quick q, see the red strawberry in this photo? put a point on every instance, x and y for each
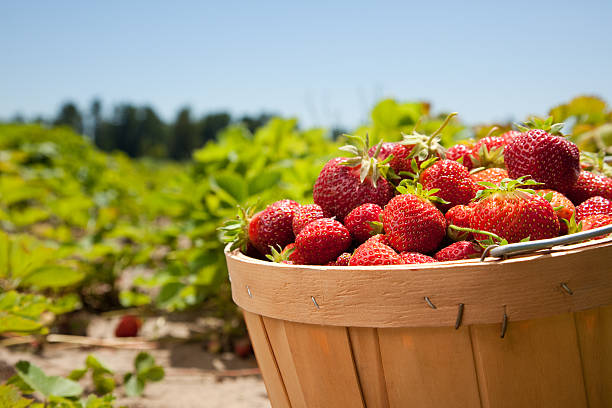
(304, 215)
(552, 160)
(491, 175)
(488, 152)
(592, 206)
(460, 151)
(459, 250)
(514, 213)
(380, 238)
(590, 185)
(374, 253)
(322, 241)
(412, 223)
(342, 260)
(595, 221)
(359, 219)
(459, 215)
(344, 184)
(285, 203)
(509, 136)
(386, 150)
(453, 181)
(128, 326)
(562, 205)
(416, 258)
(272, 227)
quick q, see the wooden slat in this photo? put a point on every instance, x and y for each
(266, 361)
(324, 363)
(366, 351)
(429, 367)
(282, 351)
(595, 335)
(537, 364)
(392, 296)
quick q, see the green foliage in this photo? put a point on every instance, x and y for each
(145, 371)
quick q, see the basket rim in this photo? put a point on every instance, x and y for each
(523, 287)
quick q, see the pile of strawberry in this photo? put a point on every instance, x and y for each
(415, 202)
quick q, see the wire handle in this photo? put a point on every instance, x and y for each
(530, 246)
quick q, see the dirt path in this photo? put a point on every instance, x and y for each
(192, 375)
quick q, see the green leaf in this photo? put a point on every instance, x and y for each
(94, 364)
(155, 373)
(11, 398)
(233, 184)
(134, 386)
(52, 277)
(76, 375)
(47, 385)
(103, 383)
(143, 362)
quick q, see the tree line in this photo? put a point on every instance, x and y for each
(139, 131)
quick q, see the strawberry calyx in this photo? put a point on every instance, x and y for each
(414, 188)
(573, 226)
(236, 231)
(487, 158)
(507, 186)
(370, 166)
(279, 255)
(546, 125)
(417, 169)
(595, 163)
(493, 239)
(425, 146)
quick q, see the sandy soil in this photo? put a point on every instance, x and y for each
(193, 377)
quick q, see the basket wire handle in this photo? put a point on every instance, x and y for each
(530, 246)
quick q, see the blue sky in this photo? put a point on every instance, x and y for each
(326, 62)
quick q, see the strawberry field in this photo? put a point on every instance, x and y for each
(86, 233)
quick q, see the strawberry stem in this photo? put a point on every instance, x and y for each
(475, 231)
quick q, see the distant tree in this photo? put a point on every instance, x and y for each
(69, 115)
(254, 122)
(183, 136)
(153, 133)
(95, 113)
(210, 125)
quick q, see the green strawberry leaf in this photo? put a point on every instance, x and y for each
(47, 385)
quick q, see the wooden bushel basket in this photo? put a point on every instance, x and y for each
(528, 331)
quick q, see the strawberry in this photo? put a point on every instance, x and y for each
(416, 258)
(492, 175)
(453, 181)
(488, 152)
(374, 253)
(344, 183)
(322, 241)
(590, 185)
(411, 222)
(592, 206)
(460, 151)
(304, 215)
(549, 159)
(595, 221)
(459, 250)
(380, 238)
(509, 136)
(128, 326)
(385, 151)
(342, 260)
(562, 205)
(273, 226)
(359, 219)
(514, 213)
(459, 215)
(289, 255)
